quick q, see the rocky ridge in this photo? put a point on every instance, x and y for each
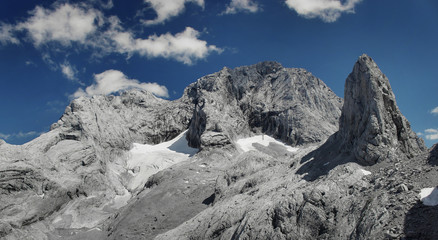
(326, 194)
(75, 176)
(288, 103)
(362, 183)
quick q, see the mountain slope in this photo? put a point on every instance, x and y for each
(330, 196)
(347, 172)
(71, 179)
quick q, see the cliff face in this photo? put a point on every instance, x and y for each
(287, 103)
(75, 182)
(85, 153)
(326, 193)
(371, 125)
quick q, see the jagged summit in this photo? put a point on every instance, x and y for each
(371, 125)
(288, 103)
(90, 176)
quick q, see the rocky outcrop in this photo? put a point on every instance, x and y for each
(80, 164)
(372, 127)
(287, 103)
(340, 202)
(71, 183)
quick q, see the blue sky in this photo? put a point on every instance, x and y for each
(52, 51)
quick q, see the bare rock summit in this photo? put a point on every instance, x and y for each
(288, 103)
(120, 167)
(371, 126)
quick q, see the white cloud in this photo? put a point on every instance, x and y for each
(242, 6)
(112, 81)
(7, 34)
(88, 28)
(434, 111)
(101, 3)
(327, 10)
(4, 136)
(65, 24)
(27, 134)
(69, 71)
(184, 46)
(431, 134)
(167, 9)
(20, 135)
(30, 63)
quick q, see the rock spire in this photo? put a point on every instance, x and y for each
(371, 125)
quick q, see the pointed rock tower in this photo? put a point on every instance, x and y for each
(371, 126)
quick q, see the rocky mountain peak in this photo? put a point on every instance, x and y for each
(288, 103)
(371, 124)
(268, 67)
(90, 176)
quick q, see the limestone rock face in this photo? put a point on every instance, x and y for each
(72, 182)
(287, 103)
(72, 174)
(371, 125)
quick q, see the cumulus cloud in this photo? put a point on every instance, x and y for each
(242, 6)
(112, 81)
(69, 71)
(167, 9)
(88, 28)
(7, 34)
(184, 46)
(431, 134)
(65, 24)
(327, 10)
(434, 111)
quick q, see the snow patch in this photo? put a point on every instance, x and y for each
(365, 172)
(121, 200)
(429, 196)
(150, 159)
(246, 144)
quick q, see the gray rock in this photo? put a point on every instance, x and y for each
(372, 127)
(402, 188)
(287, 103)
(63, 184)
(83, 155)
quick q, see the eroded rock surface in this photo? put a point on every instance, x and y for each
(362, 183)
(371, 125)
(287, 103)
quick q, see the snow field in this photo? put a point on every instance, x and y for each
(246, 144)
(146, 160)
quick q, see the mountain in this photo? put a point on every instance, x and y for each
(255, 152)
